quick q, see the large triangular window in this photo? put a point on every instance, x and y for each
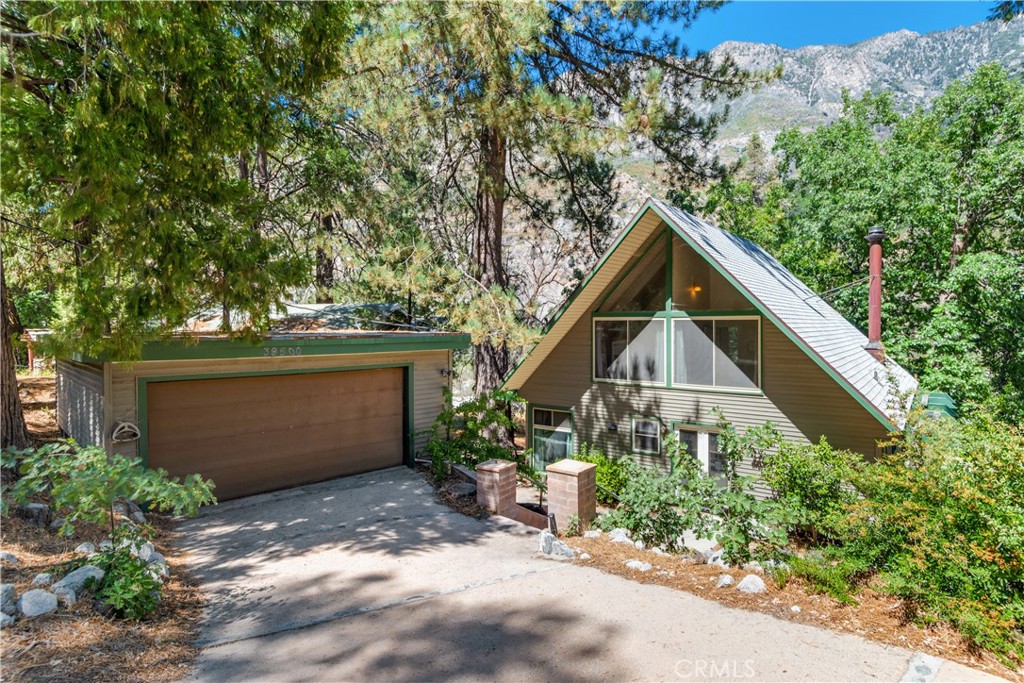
(643, 287)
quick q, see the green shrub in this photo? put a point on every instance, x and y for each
(574, 527)
(746, 526)
(468, 434)
(941, 518)
(812, 480)
(836, 578)
(611, 473)
(130, 586)
(85, 483)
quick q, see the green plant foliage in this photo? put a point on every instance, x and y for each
(130, 585)
(941, 519)
(467, 434)
(838, 579)
(84, 483)
(574, 527)
(611, 472)
(813, 480)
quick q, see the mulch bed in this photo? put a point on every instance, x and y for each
(877, 617)
(77, 642)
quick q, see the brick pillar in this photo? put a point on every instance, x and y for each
(572, 490)
(496, 486)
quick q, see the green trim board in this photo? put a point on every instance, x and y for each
(408, 417)
(277, 347)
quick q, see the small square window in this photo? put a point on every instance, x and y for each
(646, 436)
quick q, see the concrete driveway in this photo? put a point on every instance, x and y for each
(369, 579)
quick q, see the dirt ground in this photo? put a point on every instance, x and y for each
(78, 643)
(877, 616)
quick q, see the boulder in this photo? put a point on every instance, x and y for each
(6, 620)
(724, 581)
(159, 571)
(639, 545)
(8, 598)
(65, 596)
(37, 513)
(752, 583)
(552, 547)
(461, 489)
(138, 517)
(8, 558)
(157, 558)
(752, 566)
(76, 580)
(585, 556)
(37, 602)
(43, 579)
(144, 551)
(620, 536)
(57, 523)
(619, 532)
(638, 565)
(105, 545)
(714, 557)
(592, 533)
(85, 548)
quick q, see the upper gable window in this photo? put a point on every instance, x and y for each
(643, 288)
(696, 286)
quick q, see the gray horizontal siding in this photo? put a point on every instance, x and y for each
(428, 381)
(80, 402)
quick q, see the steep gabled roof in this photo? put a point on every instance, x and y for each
(823, 334)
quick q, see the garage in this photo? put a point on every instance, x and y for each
(261, 433)
(294, 407)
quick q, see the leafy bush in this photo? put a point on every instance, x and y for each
(85, 483)
(747, 527)
(813, 481)
(574, 527)
(468, 434)
(941, 519)
(836, 578)
(130, 585)
(611, 473)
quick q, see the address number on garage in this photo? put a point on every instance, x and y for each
(282, 350)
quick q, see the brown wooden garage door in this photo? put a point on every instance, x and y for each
(253, 434)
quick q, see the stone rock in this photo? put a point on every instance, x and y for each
(462, 489)
(37, 513)
(619, 532)
(159, 570)
(638, 565)
(658, 551)
(8, 558)
(585, 556)
(8, 601)
(751, 583)
(619, 536)
(552, 547)
(714, 557)
(65, 596)
(37, 602)
(138, 517)
(593, 533)
(85, 548)
(724, 581)
(752, 566)
(105, 545)
(76, 580)
(43, 579)
(157, 558)
(144, 551)
(57, 523)
(6, 620)
(639, 545)
(795, 609)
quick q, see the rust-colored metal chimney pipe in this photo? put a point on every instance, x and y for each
(875, 236)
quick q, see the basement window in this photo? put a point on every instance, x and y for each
(647, 435)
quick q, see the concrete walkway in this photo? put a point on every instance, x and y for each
(368, 579)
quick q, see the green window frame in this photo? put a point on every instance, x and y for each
(551, 431)
(655, 433)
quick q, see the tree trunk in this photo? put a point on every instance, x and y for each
(489, 361)
(13, 432)
(325, 261)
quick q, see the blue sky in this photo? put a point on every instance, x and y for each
(796, 23)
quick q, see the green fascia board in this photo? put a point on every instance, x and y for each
(276, 347)
(766, 312)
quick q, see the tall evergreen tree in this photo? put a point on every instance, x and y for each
(135, 143)
(521, 103)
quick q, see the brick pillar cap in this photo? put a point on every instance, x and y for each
(572, 467)
(495, 466)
